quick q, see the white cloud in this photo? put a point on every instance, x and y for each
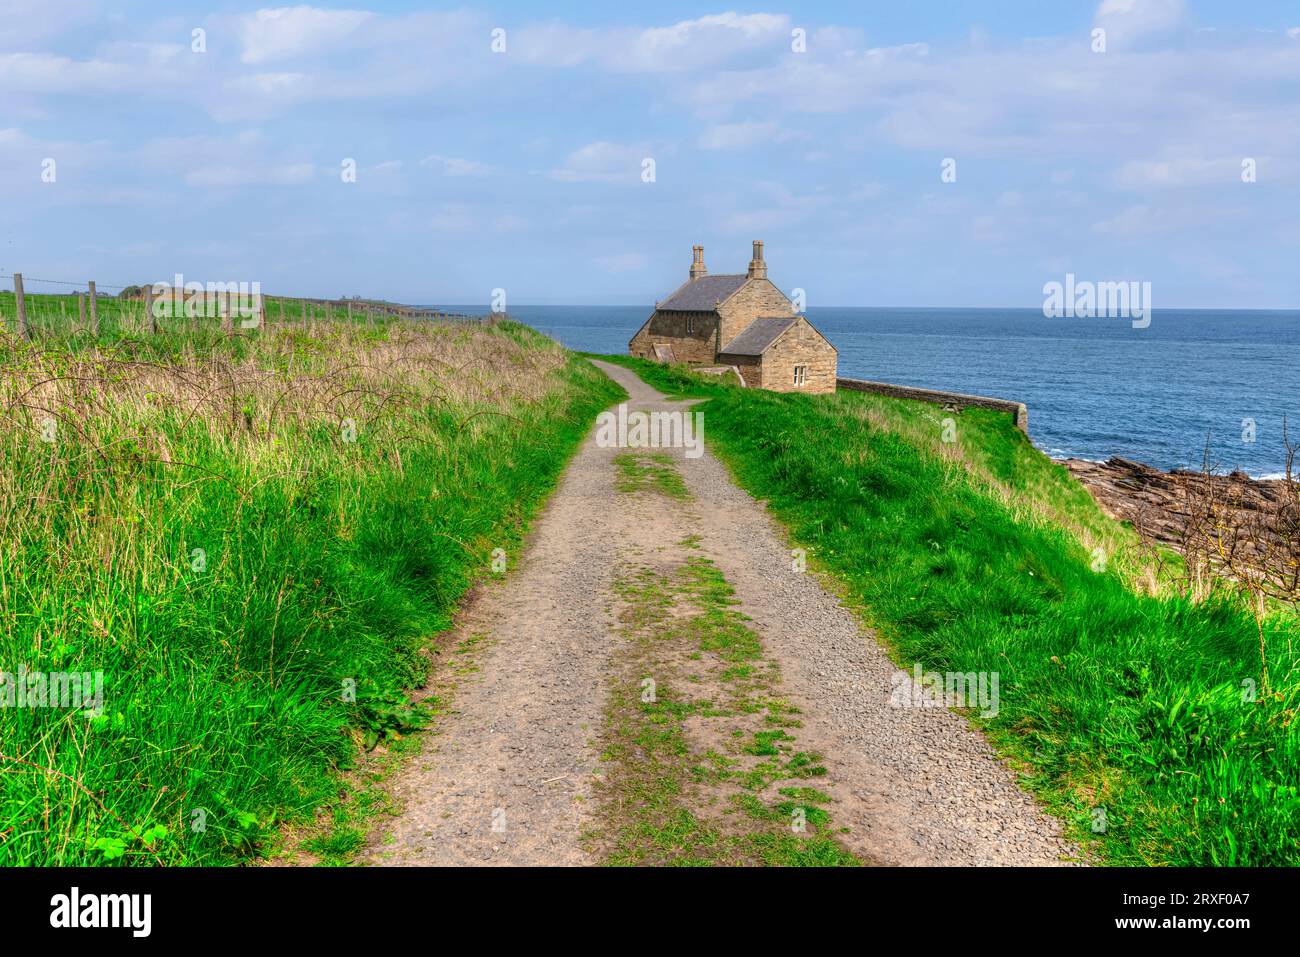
(287, 32)
(455, 218)
(603, 162)
(989, 230)
(229, 176)
(46, 73)
(1146, 219)
(1128, 21)
(733, 136)
(12, 137)
(1049, 98)
(26, 21)
(771, 206)
(686, 46)
(245, 158)
(452, 166)
(1180, 171)
(1133, 221)
(722, 34)
(263, 94)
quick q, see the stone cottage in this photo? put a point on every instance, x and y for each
(740, 320)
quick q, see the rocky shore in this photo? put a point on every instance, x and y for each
(1160, 504)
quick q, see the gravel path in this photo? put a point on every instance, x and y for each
(507, 778)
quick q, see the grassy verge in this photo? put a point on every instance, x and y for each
(345, 821)
(1135, 714)
(251, 538)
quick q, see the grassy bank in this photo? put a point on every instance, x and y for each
(1133, 712)
(251, 538)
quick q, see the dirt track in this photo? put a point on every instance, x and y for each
(508, 777)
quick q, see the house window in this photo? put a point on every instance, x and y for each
(690, 325)
(800, 375)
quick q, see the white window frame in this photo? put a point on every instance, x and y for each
(800, 375)
(690, 325)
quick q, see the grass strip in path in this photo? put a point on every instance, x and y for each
(638, 471)
(702, 765)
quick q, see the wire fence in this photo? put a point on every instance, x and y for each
(40, 304)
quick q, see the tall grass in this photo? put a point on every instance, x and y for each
(1138, 717)
(251, 537)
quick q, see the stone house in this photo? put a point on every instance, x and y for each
(742, 321)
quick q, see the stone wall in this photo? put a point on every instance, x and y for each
(750, 369)
(958, 400)
(753, 300)
(729, 374)
(670, 327)
(801, 345)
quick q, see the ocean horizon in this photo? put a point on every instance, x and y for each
(1095, 388)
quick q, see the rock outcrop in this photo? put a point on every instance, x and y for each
(1163, 505)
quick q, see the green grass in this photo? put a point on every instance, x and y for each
(253, 538)
(667, 799)
(1127, 706)
(639, 471)
(54, 323)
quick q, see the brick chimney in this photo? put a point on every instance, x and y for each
(758, 268)
(698, 268)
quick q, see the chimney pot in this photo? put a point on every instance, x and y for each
(758, 268)
(698, 268)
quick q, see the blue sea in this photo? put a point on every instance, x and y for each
(1094, 387)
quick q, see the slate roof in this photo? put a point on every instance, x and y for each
(754, 339)
(702, 294)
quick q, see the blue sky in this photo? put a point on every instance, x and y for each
(523, 170)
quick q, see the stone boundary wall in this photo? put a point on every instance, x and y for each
(1018, 410)
(722, 371)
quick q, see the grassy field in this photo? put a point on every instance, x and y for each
(252, 538)
(1136, 714)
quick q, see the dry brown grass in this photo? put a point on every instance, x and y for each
(228, 526)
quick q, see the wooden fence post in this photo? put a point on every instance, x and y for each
(94, 312)
(148, 308)
(304, 313)
(20, 302)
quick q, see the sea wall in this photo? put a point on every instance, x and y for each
(1018, 410)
